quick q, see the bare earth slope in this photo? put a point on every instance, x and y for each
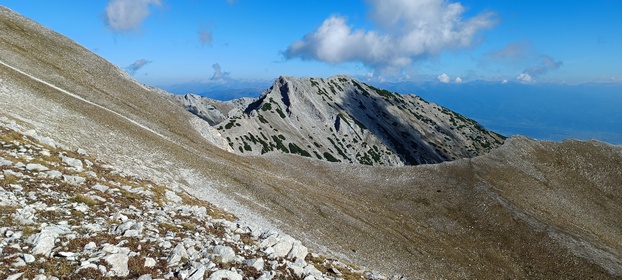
(528, 209)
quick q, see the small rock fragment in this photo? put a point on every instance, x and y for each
(74, 180)
(150, 262)
(28, 258)
(228, 274)
(172, 197)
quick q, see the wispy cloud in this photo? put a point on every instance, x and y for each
(514, 50)
(521, 55)
(546, 64)
(125, 15)
(219, 75)
(205, 36)
(406, 30)
(134, 67)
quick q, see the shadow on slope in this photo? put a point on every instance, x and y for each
(401, 138)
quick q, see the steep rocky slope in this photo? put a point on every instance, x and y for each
(528, 209)
(343, 120)
(67, 215)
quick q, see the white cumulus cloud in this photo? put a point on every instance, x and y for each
(524, 77)
(443, 78)
(405, 31)
(125, 15)
(458, 80)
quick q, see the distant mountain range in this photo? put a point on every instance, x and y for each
(222, 90)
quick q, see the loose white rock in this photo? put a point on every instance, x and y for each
(198, 273)
(257, 263)
(225, 253)
(44, 242)
(36, 167)
(74, 180)
(28, 258)
(101, 188)
(73, 162)
(150, 262)
(283, 247)
(15, 276)
(172, 197)
(118, 263)
(298, 251)
(227, 274)
(177, 254)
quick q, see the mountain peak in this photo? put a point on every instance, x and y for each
(344, 120)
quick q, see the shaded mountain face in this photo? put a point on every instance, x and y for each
(526, 210)
(340, 119)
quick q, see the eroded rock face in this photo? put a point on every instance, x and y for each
(96, 221)
(342, 119)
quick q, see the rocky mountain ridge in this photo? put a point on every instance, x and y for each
(340, 119)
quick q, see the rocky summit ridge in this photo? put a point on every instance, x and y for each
(341, 119)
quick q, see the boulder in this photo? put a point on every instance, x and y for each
(36, 167)
(44, 242)
(298, 251)
(224, 253)
(283, 247)
(73, 163)
(178, 253)
(118, 265)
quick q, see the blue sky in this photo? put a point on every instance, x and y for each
(166, 42)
